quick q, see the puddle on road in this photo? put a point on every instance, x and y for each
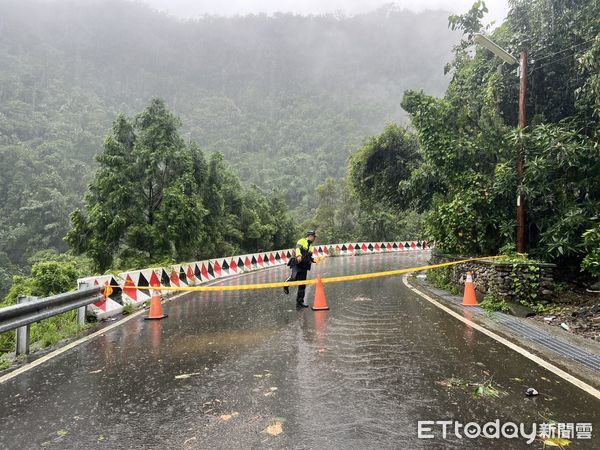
(220, 341)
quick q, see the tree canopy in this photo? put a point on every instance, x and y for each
(156, 198)
(273, 94)
(465, 178)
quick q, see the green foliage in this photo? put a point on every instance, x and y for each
(333, 252)
(525, 279)
(376, 223)
(471, 21)
(509, 255)
(144, 201)
(5, 363)
(464, 222)
(441, 279)
(384, 162)
(155, 197)
(55, 329)
(562, 188)
(463, 174)
(336, 218)
(282, 98)
(591, 239)
(481, 389)
(129, 308)
(493, 302)
(464, 206)
(34, 195)
(48, 277)
(487, 389)
(342, 217)
(365, 205)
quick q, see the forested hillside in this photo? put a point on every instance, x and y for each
(286, 99)
(459, 165)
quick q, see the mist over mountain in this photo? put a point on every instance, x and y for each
(285, 98)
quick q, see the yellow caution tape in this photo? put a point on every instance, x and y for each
(248, 287)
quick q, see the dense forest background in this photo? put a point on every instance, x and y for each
(286, 98)
(457, 162)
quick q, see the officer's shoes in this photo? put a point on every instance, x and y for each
(302, 304)
(286, 290)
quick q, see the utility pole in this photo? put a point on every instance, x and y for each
(520, 154)
(484, 41)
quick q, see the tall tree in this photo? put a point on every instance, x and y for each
(144, 204)
(379, 169)
(468, 138)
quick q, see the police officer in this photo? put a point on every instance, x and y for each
(300, 265)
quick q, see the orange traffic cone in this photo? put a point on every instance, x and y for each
(469, 298)
(156, 311)
(320, 302)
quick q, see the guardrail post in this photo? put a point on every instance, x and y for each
(81, 312)
(22, 345)
(81, 316)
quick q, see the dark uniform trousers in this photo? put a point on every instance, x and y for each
(299, 274)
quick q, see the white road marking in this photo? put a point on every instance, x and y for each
(536, 359)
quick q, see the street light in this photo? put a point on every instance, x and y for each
(494, 48)
(510, 59)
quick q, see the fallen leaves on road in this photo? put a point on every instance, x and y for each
(453, 382)
(186, 375)
(271, 391)
(487, 389)
(226, 417)
(275, 429)
(62, 433)
(261, 375)
(484, 389)
(556, 442)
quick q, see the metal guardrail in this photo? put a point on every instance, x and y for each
(31, 309)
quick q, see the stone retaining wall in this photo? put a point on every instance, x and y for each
(499, 277)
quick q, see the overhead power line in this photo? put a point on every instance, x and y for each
(566, 49)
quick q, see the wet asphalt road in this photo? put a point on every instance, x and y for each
(358, 376)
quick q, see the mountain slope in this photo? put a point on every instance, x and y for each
(285, 98)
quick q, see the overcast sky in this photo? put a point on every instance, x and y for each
(195, 8)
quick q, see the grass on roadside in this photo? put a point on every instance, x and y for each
(42, 334)
(440, 278)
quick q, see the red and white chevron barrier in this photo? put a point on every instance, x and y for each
(199, 272)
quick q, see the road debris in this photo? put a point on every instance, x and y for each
(531, 392)
(226, 417)
(186, 375)
(275, 429)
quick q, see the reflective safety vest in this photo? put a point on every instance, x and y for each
(305, 250)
